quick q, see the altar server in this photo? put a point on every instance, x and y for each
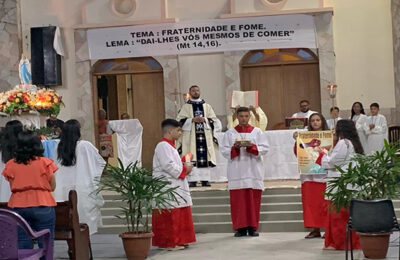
(8, 145)
(334, 118)
(80, 167)
(244, 147)
(375, 129)
(360, 119)
(313, 185)
(257, 118)
(348, 144)
(172, 227)
(129, 140)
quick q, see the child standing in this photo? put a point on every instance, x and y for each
(375, 129)
(173, 228)
(32, 180)
(347, 146)
(315, 208)
(334, 118)
(360, 120)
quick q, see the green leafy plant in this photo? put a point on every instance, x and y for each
(140, 191)
(368, 177)
(46, 131)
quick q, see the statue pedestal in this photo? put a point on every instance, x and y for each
(29, 119)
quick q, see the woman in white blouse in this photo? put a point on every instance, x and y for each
(348, 144)
(79, 167)
(360, 120)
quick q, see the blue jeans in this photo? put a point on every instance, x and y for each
(38, 218)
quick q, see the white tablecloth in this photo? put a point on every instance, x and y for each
(280, 161)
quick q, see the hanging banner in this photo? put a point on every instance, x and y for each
(309, 145)
(219, 35)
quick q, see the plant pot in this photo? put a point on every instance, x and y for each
(137, 246)
(374, 246)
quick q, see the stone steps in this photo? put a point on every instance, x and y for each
(223, 217)
(220, 200)
(222, 208)
(281, 211)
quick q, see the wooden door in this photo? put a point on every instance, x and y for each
(300, 81)
(267, 80)
(122, 95)
(281, 87)
(112, 99)
(148, 107)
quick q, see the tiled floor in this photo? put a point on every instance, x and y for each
(274, 246)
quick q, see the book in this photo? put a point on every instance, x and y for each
(244, 98)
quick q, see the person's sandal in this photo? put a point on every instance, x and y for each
(176, 248)
(313, 234)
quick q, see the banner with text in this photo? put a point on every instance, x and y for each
(310, 144)
(219, 35)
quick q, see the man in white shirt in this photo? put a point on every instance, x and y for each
(304, 110)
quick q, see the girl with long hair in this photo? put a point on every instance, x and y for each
(31, 178)
(9, 139)
(70, 135)
(313, 187)
(360, 120)
(8, 144)
(80, 167)
(348, 144)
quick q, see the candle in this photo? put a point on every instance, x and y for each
(332, 90)
(188, 157)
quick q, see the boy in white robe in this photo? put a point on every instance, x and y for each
(375, 129)
(244, 147)
(173, 228)
(257, 118)
(334, 118)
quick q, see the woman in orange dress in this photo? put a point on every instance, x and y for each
(31, 178)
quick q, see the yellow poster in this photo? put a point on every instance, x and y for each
(309, 147)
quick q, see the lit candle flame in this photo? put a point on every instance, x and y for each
(332, 89)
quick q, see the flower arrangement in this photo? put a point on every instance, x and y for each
(48, 102)
(18, 100)
(15, 101)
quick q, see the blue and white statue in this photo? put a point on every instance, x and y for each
(25, 70)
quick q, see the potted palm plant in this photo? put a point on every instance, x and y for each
(142, 194)
(368, 177)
